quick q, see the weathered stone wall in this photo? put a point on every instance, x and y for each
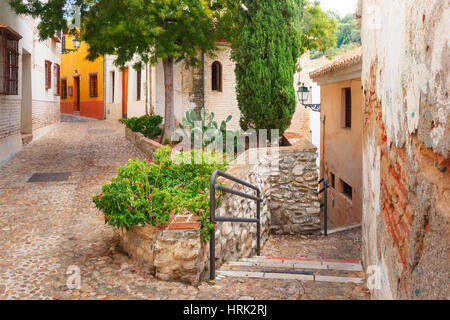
(288, 181)
(406, 146)
(294, 201)
(168, 254)
(147, 146)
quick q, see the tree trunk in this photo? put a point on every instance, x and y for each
(169, 112)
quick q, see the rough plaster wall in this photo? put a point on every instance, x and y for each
(406, 146)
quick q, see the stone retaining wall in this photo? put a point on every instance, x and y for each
(147, 146)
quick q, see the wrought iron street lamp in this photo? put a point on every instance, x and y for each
(303, 94)
(76, 45)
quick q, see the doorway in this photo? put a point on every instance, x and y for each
(77, 93)
(124, 93)
(26, 119)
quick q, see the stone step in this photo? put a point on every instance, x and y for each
(287, 276)
(285, 263)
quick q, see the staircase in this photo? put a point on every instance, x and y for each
(320, 270)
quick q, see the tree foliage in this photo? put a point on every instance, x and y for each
(348, 36)
(267, 39)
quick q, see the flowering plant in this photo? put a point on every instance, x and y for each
(149, 191)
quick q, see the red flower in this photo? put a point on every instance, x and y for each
(129, 208)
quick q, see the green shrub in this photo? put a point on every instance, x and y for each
(148, 191)
(147, 125)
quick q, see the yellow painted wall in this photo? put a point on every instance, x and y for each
(75, 64)
(341, 151)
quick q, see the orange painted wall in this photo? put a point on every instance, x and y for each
(75, 64)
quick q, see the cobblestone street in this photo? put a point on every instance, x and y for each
(46, 227)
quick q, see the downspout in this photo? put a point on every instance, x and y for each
(203, 79)
(104, 87)
(146, 89)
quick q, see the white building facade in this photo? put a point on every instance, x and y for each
(29, 81)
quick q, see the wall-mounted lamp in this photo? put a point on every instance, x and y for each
(303, 94)
(76, 45)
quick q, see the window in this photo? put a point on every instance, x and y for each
(93, 90)
(216, 76)
(333, 180)
(346, 189)
(346, 108)
(138, 85)
(64, 88)
(70, 91)
(63, 42)
(9, 61)
(113, 78)
(57, 79)
(48, 74)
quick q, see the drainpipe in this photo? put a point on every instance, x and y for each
(146, 88)
(203, 79)
(104, 87)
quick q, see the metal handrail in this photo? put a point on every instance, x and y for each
(325, 204)
(213, 218)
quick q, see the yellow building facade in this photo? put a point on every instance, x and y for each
(81, 81)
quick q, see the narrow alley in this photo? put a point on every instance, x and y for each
(51, 228)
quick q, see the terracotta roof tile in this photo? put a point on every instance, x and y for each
(349, 59)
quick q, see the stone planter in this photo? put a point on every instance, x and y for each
(147, 146)
(174, 253)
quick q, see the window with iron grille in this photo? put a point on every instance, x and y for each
(48, 74)
(93, 91)
(9, 61)
(138, 85)
(64, 88)
(57, 79)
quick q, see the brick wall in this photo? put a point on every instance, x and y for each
(9, 116)
(406, 148)
(45, 113)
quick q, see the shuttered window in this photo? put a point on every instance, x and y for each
(58, 79)
(9, 61)
(48, 74)
(63, 88)
(93, 89)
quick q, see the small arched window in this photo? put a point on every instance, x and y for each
(216, 76)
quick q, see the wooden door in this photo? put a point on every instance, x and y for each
(124, 93)
(76, 88)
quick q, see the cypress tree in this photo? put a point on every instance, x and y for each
(266, 50)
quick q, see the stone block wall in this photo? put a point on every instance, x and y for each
(288, 181)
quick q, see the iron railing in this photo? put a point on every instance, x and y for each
(325, 204)
(214, 219)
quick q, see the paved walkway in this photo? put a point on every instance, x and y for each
(46, 228)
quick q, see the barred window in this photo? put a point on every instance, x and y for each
(57, 79)
(93, 91)
(9, 61)
(48, 74)
(64, 88)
